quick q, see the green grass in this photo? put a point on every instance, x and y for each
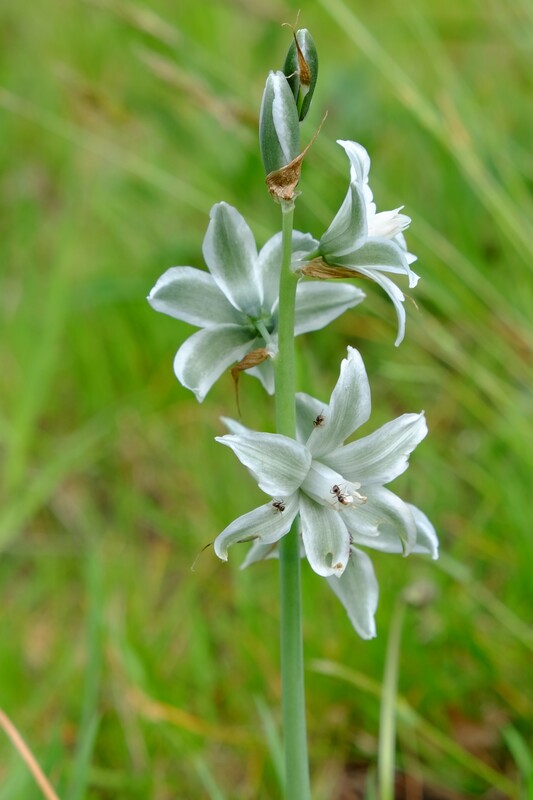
(129, 674)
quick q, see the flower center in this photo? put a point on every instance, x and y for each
(330, 489)
(264, 326)
(347, 495)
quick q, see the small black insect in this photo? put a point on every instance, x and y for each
(318, 420)
(344, 499)
(279, 505)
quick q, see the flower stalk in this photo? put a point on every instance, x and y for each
(326, 494)
(297, 783)
(285, 378)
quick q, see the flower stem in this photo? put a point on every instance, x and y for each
(297, 786)
(284, 364)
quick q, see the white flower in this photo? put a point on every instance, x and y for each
(337, 489)
(235, 304)
(368, 242)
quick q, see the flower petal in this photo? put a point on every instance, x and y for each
(265, 373)
(384, 523)
(193, 296)
(265, 524)
(325, 537)
(230, 253)
(260, 552)
(381, 456)
(269, 262)
(303, 245)
(359, 160)
(362, 522)
(205, 355)
(395, 294)
(359, 171)
(426, 536)
(348, 229)
(358, 591)
(235, 427)
(308, 415)
(319, 303)
(279, 463)
(386, 540)
(377, 253)
(402, 244)
(264, 552)
(388, 224)
(329, 488)
(348, 409)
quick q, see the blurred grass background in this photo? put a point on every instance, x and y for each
(130, 675)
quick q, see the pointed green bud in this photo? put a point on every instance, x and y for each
(279, 129)
(301, 69)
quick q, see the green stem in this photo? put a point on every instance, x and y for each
(387, 717)
(297, 786)
(285, 366)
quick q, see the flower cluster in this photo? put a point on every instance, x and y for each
(236, 303)
(335, 489)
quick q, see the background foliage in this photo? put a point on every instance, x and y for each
(130, 674)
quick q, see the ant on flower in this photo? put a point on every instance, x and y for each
(343, 499)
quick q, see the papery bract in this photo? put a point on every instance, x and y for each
(301, 70)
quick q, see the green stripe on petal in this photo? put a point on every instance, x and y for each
(318, 304)
(193, 296)
(279, 127)
(387, 514)
(325, 537)
(205, 355)
(388, 542)
(230, 253)
(348, 409)
(278, 463)
(381, 456)
(269, 262)
(265, 524)
(377, 253)
(358, 591)
(308, 415)
(349, 228)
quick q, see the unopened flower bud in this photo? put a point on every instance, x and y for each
(279, 130)
(301, 69)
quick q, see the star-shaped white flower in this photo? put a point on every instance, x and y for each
(235, 303)
(368, 242)
(337, 489)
